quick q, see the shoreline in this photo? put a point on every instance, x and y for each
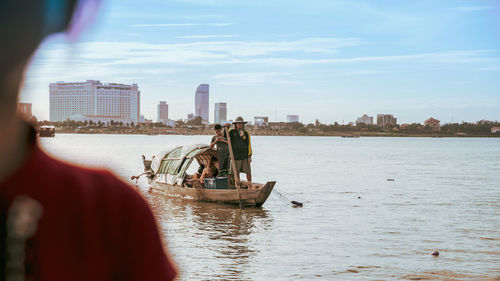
(260, 132)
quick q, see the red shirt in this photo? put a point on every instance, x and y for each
(93, 226)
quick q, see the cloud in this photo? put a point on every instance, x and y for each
(471, 8)
(202, 17)
(182, 24)
(208, 2)
(205, 36)
(254, 78)
(306, 51)
(197, 53)
(366, 72)
(489, 68)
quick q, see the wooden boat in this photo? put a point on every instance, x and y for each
(47, 131)
(171, 173)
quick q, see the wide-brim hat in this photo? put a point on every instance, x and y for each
(239, 119)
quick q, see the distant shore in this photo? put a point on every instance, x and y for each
(266, 132)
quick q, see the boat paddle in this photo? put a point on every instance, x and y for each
(233, 166)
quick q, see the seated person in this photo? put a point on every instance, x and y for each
(194, 177)
(210, 171)
(198, 173)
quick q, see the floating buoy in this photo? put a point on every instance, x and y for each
(436, 253)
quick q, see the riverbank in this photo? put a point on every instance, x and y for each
(264, 132)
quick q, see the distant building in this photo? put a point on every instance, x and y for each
(169, 123)
(433, 123)
(220, 113)
(261, 121)
(281, 125)
(365, 119)
(386, 120)
(162, 112)
(292, 118)
(24, 110)
(201, 102)
(97, 119)
(190, 116)
(495, 129)
(141, 118)
(278, 125)
(93, 100)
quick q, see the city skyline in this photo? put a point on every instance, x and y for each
(201, 98)
(413, 60)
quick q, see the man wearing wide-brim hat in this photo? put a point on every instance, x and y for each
(242, 148)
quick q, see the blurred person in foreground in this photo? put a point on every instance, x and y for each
(59, 221)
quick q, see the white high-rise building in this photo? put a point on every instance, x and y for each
(292, 118)
(365, 119)
(220, 113)
(162, 110)
(93, 100)
(201, 102)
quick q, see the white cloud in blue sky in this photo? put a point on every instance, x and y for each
(471, 8)
(331, 60)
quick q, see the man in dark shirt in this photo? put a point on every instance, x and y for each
(222, 149)
(242, 148)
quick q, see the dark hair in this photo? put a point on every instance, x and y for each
(217, 127)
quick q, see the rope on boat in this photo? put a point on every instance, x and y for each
(295, 203)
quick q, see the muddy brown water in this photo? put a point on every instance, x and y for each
(355, 224)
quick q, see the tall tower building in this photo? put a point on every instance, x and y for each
(162, 112)
(220, 113)
(201, 102)
(93, 100)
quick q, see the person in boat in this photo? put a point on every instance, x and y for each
(242, 148)
(222, 149)
(197, 175)
(59, 221)
(210, 171)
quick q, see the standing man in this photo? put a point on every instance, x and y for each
(242, 148)
(222, 149)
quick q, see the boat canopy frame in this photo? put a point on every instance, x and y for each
(171, 166)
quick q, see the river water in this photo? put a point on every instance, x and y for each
(355, 224)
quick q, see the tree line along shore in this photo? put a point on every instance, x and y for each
(481, 128)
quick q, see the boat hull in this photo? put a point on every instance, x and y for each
(253, 197)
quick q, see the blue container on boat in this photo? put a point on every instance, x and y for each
(216, 183)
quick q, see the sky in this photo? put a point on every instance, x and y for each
(325, 59)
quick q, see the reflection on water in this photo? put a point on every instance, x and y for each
(355, 225)
(220, 235)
